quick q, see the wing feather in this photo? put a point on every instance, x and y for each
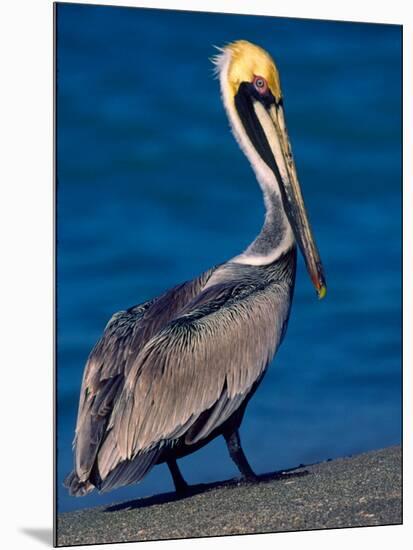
(209, 357)
(105, 372)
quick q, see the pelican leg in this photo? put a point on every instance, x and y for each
(237, 454)
(181, 486)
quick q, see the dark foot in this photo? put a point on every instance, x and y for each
(181, 486)
(183, 490)
(250, 478)
(237, 454)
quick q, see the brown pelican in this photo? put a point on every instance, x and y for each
(171, 374)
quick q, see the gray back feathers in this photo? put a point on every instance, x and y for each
(177, 366)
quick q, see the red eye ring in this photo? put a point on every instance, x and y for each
(260, 84)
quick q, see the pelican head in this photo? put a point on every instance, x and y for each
(251, 92)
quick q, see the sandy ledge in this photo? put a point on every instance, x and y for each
(357, 491)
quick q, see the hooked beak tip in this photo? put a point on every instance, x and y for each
(320, 286)
(322, 291)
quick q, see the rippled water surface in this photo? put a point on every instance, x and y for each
(152, 190)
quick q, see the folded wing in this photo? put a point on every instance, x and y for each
(106, 370)
(195, 372)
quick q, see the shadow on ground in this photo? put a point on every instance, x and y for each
(200, 488)
(43, 535)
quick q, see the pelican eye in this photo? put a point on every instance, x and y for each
(260, 84)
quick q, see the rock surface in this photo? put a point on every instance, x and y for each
(358, 491)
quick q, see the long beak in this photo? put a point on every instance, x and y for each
(266, 129)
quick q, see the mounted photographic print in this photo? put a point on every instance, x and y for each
(228, 274)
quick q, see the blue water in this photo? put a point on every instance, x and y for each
(152, 190)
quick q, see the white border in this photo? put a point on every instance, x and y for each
(26, 260)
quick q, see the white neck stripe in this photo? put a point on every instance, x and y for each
(264, 174)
